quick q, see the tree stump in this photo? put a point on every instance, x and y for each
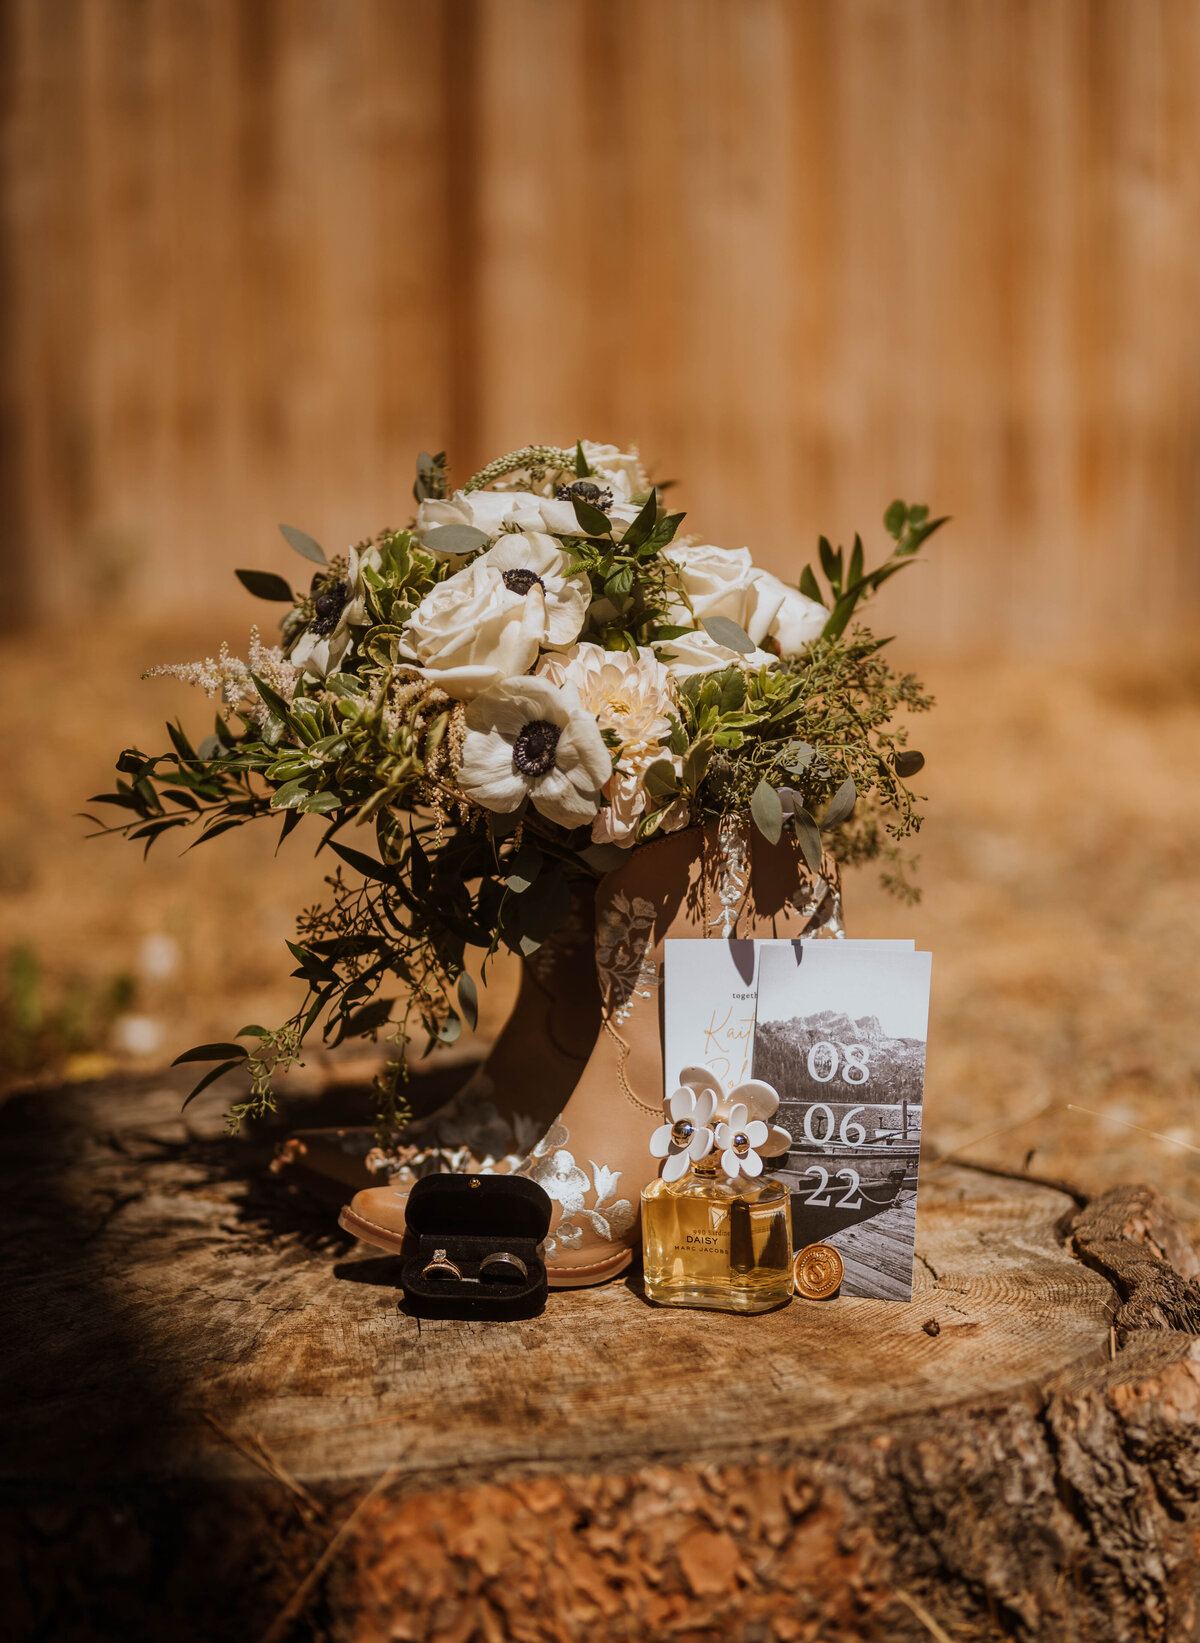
(219, 1425)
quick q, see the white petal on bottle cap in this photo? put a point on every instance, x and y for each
(660, 1141)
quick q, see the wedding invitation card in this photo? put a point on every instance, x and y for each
(839, 1029)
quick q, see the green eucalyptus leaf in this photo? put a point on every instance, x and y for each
(582, 471)
(909, 762)
(728, 633)
(841, 806)
(468, 1001)
(210, 1077)
(211, 1052)
(304, 544)
(808, 835)
(452, 1031)
(456, 539)
(264, 584)
(767, 810)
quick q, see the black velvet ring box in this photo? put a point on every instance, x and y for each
(471, 1217)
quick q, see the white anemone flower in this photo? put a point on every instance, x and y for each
(527, 738)
(686, 1137)
(488, 621)
(339, 607)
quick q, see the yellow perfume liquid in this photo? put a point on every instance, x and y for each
(712, 1242)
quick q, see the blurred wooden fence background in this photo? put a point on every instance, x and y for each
(812, 254)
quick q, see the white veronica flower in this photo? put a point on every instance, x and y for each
(686, 1136)
(527, 737)
(698, 652)
(499, 513)
(320, 648)
(726, 582)
(488, 621)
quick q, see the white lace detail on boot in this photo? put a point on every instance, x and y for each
(556, 1172)
(623, 961)
(472, 1136)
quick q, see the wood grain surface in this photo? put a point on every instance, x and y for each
(811, 256)
(191, 1348)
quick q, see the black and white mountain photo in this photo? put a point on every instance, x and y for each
(841, 1035)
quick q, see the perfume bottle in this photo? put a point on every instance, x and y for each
(710, 1240)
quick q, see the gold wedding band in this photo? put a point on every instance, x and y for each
(441, 1267)
(503, 1267)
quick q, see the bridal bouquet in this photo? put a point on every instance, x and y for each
(532, 678)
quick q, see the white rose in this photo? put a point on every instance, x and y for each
(717, 582)
(622, 470)
(528, 738)
(499, 512)
(698, 652)
(726, 582)
(487, 622)
(339, 607)
(795, 619)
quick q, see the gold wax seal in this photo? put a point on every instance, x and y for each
(817, 1271)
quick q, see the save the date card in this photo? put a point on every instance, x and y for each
(839, 1029)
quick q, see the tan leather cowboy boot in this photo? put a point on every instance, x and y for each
(531, 1069)
(490, 1123)
(710, 881)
